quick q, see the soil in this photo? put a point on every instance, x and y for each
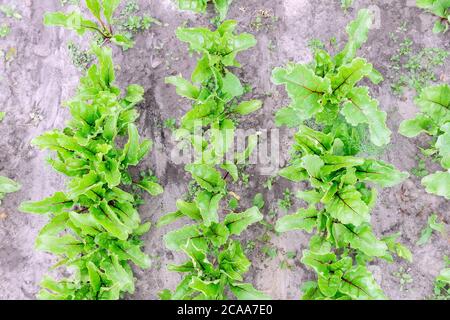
(40, 76)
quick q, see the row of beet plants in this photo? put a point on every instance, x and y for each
(94, 227)
(341, 192)
(216, 263)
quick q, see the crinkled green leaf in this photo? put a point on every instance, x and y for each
(361, 108)
(438, 183)
(443, 146)
(357, 35)
(359, 284)
(206, 176)
(232, 169)
(184, 87)
(347, 206)
(109, 7)
(95, 6)
(177, 238)
(151, 187)
(294, 173)
(289, 117)
(169, 218)
(303, 87)
(208, 204)
(361, 238)
(189, 209)
(381, 173)
(245, 291)
(222, 7)
(347, 76)
(248, 107)
(8, 186)
(238, 222)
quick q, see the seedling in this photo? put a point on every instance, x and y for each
(404, 278)
(250, 246)
(346, 4)
(284, 264)
(413, 68)
(270, 252)
(286, 202)
(129, 22)
(326, 89)
(258, 201)
(101, 25)
(315, 44)
(421, 170)
(269, 182)
(81, 59)
(5, 30)
(427, 232)
(11, 13)
(170, 123)
(233, 204)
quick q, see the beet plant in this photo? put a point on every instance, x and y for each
(442, 283)
(433, 119)
(339, 205)
(216, 261)
(341, 195)
(327, 88)
(346, 4)
(102, 24)
(221, 6)
(441, 9)
(7, 185)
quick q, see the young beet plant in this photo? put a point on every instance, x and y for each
(217, 262)
(442, 283)
(440, 8)
(7, 185)
(340, 200)
(434, 120)
(221, 6)
(94, 227)
(327, 88)
(339, 208)
(102, 25)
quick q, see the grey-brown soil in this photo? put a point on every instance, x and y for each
(40, 76)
